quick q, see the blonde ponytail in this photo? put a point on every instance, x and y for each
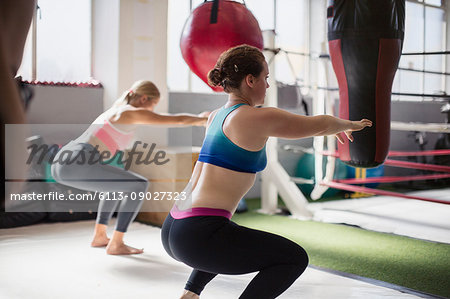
(138, 88)
(123, 99)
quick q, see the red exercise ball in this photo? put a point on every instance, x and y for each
(214, 27)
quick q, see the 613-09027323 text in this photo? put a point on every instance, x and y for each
(58, 196)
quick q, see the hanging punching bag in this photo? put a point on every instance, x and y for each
(365, 39)
(214, 27)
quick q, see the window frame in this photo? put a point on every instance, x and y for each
(423, 75)
(32, 35)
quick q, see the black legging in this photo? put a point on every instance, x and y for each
(215, 245)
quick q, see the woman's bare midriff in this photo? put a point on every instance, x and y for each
(217, 187)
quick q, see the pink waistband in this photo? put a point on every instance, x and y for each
(198, 211)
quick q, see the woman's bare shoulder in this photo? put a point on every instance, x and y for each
(211, 116)
(130, 114)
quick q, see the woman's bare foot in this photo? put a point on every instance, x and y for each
(189, 295)
(100, 241)
(100, 238)
(122, 249)
(116, 245)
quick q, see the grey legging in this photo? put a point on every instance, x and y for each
(77, 172)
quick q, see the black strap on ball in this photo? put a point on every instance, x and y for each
(214, 12)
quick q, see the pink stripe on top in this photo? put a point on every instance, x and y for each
(198, 211)
(113, 138)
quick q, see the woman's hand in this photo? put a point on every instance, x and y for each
(354, 126)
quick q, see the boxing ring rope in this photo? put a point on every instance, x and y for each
(345, 184)
(403, 54)
(419, 153)
(325, 105)
(301, 149)
(415, 165)
(393, 179)
(429, 127)
(322, 186)
(427, 53)
(325, 56)
(395, 163)
(423, 95)
(352, 188)
(423, 71)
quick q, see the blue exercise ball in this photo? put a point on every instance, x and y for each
(305, 169)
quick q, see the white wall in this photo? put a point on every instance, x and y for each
(64, 105)
(60, 114)
(129, 44)
(105, 46)
(143, 45)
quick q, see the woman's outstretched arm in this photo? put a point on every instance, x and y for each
(148, 117)
(279, 123)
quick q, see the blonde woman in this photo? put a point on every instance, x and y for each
(91, 168)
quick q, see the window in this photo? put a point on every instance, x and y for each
(63, 42)
(424, 32)
(178, 71)
(291, 35)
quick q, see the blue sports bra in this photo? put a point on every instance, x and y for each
(218, 150)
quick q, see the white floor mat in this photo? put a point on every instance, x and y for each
(412, 218)
(56, 261)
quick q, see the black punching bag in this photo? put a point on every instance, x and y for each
(365, 39)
